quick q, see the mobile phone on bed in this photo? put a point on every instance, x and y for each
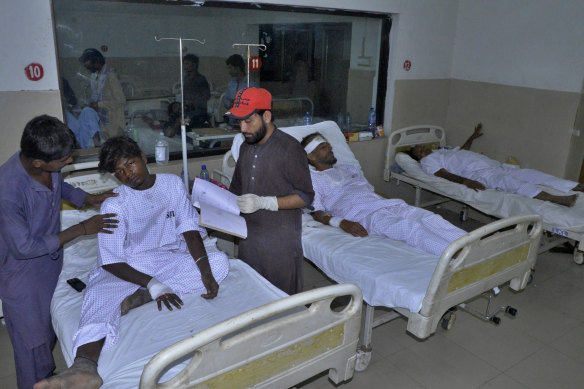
(76, 284)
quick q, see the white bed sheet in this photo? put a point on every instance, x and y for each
(501, 204)
(145, 331)
(390, 273)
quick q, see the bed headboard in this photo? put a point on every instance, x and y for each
(404, 138)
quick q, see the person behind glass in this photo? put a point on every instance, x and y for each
(196, 92)
(107, 96)
(236, 68)
(272, 181)
(31, 240)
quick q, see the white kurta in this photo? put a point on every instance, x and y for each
(491, 173)
(149, 238)
(344, 192)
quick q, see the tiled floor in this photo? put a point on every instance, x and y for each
(543, 347)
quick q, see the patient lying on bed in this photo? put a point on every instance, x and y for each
(343, 198)
(479, 172)
(156, 254)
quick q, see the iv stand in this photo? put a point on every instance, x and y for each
(183, 129)
(262, 47)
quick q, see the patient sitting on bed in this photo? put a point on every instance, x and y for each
(479, 172)
(343, 198)
(156, 254)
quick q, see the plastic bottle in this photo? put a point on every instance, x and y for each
(340, 120)
(204, 173)
(161, 149)
(348, 121)
(372, 121)
(132, 131)
(307, 119)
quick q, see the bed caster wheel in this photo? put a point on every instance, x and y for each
(496, 320)
(448, 321)
(578, 257)
(511, 311)
(363, 359)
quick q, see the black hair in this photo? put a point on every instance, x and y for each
(46, 138)
(92, 55)
(261, 113)
(237, 61)
(192, 58)
(114, 149)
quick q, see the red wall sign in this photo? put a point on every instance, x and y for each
(407, 65)
(104, 48)
(34, 71)
(255, 64)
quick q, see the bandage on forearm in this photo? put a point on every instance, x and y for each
(313, 144)
(335, 221)
(157, 288)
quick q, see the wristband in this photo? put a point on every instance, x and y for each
(84, 229)
(202, 257)
(335, 221)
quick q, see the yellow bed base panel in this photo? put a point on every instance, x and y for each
(280, 361)
(485, 269)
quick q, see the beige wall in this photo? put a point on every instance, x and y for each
(420, 102)
(533, 125)
(20, 107)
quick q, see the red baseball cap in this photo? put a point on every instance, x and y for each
(248, 101)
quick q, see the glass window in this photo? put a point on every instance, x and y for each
(118, 80)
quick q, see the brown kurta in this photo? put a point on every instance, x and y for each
(273, 246)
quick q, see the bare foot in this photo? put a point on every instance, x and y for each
(82, 374)
(140, 297)
(567, 201)
(579, 188)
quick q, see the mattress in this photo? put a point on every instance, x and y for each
(390, 273)
(501, 204)
(144, 331)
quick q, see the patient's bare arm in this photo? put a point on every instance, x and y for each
(476, 134)
(197, 250)
(443, 173)
(348, 226)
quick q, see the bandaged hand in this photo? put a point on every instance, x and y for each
(250, 203)
(157, 288)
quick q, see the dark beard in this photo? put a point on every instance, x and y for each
(329, 160)
(258, 136)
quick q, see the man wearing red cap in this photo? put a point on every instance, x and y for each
(273, 183)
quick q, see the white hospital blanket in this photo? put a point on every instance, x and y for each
(501, 204)
(390, 273)
(145, 331)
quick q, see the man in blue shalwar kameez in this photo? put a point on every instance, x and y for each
(31, 240)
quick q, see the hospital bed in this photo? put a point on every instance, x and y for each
(250, 335)
(560, 222)
(414, 284)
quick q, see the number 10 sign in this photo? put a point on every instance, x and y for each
(34, 71)
(255, 64)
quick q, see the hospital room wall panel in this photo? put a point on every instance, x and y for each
(420, 102)
(19, 107)
(532, 125)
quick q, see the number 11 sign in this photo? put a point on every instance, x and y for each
(255, 64)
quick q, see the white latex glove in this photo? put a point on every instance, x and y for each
(250, 203)
(157, 288)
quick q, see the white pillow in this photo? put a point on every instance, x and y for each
(329, 129)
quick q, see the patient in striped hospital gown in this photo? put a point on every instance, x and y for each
(343, 198)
